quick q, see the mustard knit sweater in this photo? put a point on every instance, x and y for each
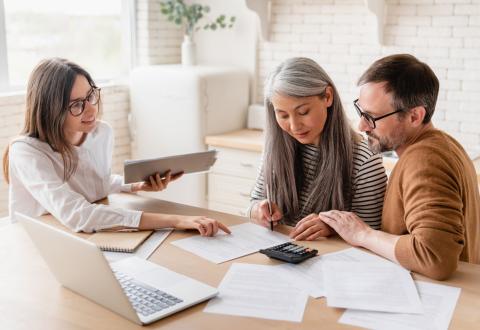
(433, 202)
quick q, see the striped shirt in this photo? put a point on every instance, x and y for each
(369, 182)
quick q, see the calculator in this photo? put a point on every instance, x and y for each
(289, 252)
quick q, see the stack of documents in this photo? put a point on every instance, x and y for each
(375, 292)
(438, 303)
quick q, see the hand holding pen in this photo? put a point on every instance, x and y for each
(266, 213)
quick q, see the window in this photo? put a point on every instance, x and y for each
(89, 32)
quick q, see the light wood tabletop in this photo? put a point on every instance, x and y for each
(31, 298)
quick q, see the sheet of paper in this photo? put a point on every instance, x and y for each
(353, 254)
(438, 302)
(374, 286)
(245, 239)
(257, 291)
(308, 275)
(144, 251)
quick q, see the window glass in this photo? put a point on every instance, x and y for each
(88, 32)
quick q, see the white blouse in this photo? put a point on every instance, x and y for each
(37, 187)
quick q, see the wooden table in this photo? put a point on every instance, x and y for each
(31, 298)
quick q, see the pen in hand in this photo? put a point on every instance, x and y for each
(269, 206)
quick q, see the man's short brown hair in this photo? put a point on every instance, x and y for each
(411, 82)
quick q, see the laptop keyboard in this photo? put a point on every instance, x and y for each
(145, 299)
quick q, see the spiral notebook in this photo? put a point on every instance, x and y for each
(119, 241)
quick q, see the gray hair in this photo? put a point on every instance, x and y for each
(283, 170)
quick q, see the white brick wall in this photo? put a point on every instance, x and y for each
(158, 41)
(340, 35)
(116, 104)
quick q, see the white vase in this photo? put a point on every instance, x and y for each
(188, 51)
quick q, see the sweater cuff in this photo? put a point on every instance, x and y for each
(403, 251)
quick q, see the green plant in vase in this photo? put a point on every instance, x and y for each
(189, 17)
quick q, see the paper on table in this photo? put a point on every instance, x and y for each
(308, 275)
(374, 286)
(245, 239)
(438, 302)
(256, 291)
(353, 254)
(143, 251)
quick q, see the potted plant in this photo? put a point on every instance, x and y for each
(189, 17)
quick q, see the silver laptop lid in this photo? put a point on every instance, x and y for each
(79, 265)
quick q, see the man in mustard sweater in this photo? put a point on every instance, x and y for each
(431, 213)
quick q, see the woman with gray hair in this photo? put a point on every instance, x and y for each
(313, 160)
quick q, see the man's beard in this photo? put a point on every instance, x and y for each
(386, 143)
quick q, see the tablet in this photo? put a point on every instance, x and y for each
(139, 170)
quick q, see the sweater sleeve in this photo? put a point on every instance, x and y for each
(433, 216)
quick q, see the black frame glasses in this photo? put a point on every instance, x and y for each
(93, 97)
(369, 118)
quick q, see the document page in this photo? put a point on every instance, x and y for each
(353, 254)
(245, 239)
(308, 275)
(374, 286)
(438, 303)
(257, 291)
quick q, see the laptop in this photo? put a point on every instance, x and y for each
(137, 289)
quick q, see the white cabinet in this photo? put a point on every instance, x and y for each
(233, 176)
(174, 107)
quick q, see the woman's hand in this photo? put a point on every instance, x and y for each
(310, 228)
(206, 226)
(260, 214)
(156, 183)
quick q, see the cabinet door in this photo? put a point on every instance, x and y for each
(231, 209)
(229, 190)
(237, 163)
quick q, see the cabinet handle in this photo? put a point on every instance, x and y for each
(245, 164)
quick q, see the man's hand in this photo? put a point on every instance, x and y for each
(348, 225)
